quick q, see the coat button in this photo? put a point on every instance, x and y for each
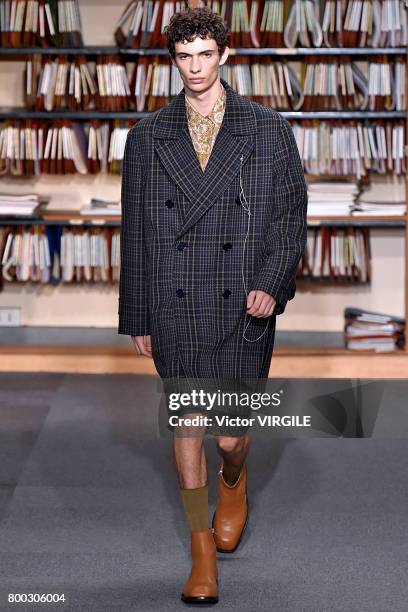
(226, 294)
(181, 246)
(169, 203)
(227, 246)
(180, 293)
(237, 200)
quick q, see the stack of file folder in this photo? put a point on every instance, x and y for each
(62, 147)
(367, 330)
(52, 254)
(48, 23)
(276, 23)
(336, 255)
(324, 83)
(352, 148)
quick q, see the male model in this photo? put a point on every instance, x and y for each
(213, 226)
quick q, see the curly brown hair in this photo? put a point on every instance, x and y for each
(192, 22)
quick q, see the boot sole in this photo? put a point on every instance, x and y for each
(223, 550)
(199, 599)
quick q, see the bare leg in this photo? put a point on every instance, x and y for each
(234, 451)
(189, 458)
(191, 466)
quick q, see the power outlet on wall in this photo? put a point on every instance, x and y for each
(9, 316)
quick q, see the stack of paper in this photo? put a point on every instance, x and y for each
(331, 198)
(99, 206)
(24, 205)
(382, 198)
(366, 330)
(372, 209)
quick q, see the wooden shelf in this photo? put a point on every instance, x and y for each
(359, 221)
(64, 217)
(11, 53)
(290, 362)
(23, 113)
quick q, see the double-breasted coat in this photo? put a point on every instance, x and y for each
(194, 242)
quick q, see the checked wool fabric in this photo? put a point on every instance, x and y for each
(184, 272)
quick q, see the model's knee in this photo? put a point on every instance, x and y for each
(230, 444)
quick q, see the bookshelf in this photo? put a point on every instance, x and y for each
(21, 113)
(112, 220)
(94, 50)
(90, 51)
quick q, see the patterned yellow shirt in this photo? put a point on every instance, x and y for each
(204, 129)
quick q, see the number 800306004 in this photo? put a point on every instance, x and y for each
(36, 597)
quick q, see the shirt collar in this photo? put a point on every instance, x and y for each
(219, 106)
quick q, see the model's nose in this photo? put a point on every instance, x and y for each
(195, 67)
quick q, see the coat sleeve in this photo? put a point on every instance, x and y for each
(133, 306)
(286, 235)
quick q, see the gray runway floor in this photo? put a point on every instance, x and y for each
(90, 508)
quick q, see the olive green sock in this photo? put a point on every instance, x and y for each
(231, 472)
(196, 507)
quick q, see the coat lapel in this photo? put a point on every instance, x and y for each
(176, 151)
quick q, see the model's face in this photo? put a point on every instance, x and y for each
(198, 63)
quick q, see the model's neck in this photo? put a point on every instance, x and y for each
(204, 101)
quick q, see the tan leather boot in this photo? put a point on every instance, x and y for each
(231, 512)
(202, 584)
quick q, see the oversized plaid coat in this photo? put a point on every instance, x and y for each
(183, 270)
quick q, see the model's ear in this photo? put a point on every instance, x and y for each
(224, 56)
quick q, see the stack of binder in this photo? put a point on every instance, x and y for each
(331, 84)
(25, 254)
(113, 86)
(269, 82)
(346, 23)
(90, 255)
(243, 22)
(106, 146)
(142, 24)
(47, 23)
(334, 148)
(325, 83)
(351, 148)
(386, 85)
(366, 330)
(270, 18)
(33, 148)
(153, 82)
(374, 24)
(55, 254)
(60, 83)
(276, 23)
(336, 255)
